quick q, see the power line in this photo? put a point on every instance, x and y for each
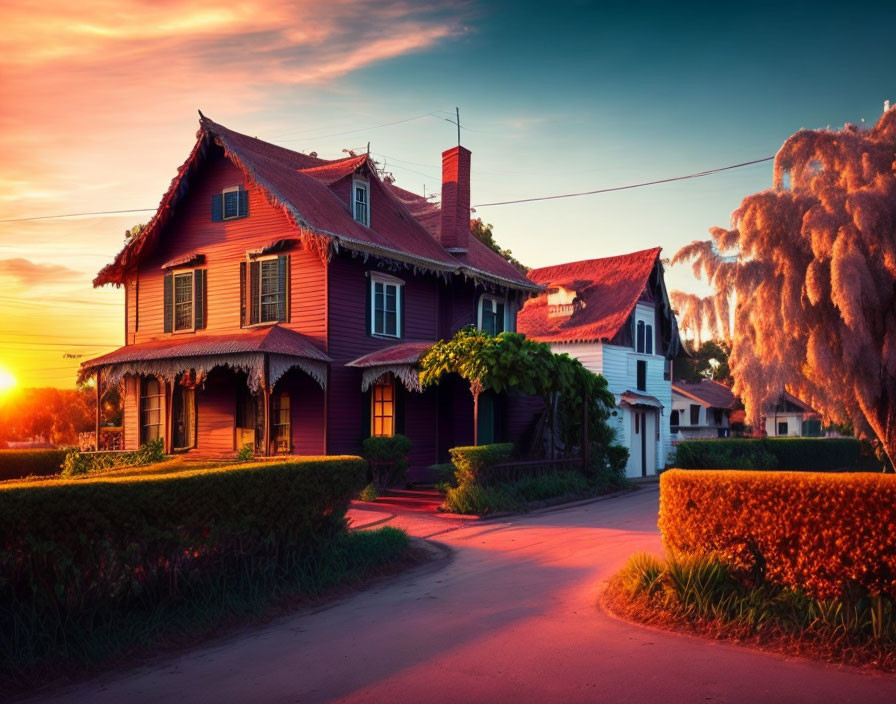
(81, 215)
(699, 174)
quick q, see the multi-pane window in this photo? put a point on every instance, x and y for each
(385, 306)
(281, 424)
(644, 338)
(183, 301)
(269, 298)
(382, 412)
(361, 202)
(150, 409)
(491, 315)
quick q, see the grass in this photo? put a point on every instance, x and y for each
(699, 594)
(521, 495)
(33, 651)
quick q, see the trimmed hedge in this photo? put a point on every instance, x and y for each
(17, 464)
(786, 454)
(75, 551)
(473, 462)
(824, 534)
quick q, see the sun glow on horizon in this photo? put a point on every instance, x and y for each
(7, 381)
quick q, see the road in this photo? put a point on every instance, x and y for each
(508, 615)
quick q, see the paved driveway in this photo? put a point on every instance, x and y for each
(509, 617)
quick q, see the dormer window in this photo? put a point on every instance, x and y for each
(491, 314)
(361, 201)
(560, 302)
(230, 204)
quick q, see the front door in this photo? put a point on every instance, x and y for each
(183, 419)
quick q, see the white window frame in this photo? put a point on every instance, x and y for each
(494, 300)
(365, 186)
(224, 192)
(385, 280)
(174, 274)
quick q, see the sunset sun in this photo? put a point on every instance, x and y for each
(7, 380)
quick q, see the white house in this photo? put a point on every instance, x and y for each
(701, 409)
(613, 314)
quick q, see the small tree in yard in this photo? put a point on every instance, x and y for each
(811, 264)
(511, 361)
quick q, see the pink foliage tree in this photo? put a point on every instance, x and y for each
(811, 266)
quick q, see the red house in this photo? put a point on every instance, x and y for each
(280, 300)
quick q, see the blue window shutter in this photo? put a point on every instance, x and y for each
(282, 287)
(243, 204)
(199, 298)
(243, 320)
(217, 207)
(168, 301)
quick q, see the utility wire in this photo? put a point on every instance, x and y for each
(699, 174)
(80, 215)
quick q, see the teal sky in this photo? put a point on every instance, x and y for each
(554, 97)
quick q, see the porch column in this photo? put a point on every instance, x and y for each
(266, 393)
(99, 406)
(169, 398)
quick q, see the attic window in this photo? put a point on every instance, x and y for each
(361, 201)
(230, 204)
(560, 302)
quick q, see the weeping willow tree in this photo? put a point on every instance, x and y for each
(811, 265)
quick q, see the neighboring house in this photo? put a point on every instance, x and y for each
(701, 409)
(280, 300)
(791, 417)
(613, 314)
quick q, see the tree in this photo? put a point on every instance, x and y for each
(511, 361)
(811, 265)
(484, 234)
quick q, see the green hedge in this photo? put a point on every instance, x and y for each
(74, 553)
(786, 454)
(472, 463)
(17, 464)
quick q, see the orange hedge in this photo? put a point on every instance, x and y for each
(820, 533)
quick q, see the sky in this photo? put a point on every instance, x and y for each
(100, 102)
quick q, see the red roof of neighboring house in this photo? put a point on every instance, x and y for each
(405, 353)
(706, 392)
(300, 185)
(274, 340)
(608, 288)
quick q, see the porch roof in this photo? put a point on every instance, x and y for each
(245, 350)
(630, 398)
(397, 359)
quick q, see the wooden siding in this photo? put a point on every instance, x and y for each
(224, 245)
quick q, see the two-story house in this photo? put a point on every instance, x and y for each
(281, 301)
(613, 315)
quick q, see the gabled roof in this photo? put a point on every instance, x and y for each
(606, 288)
(300, 185)
(706, 392)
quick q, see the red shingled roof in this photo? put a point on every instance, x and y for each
(300, 185)
(405, 353)
(609, 288)
(707, 392)
(274, 340)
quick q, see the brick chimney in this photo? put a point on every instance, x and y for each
(455, 231)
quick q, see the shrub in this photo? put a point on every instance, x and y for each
(75, 554)
(78, 463)
(821, 533)
(788, 454)
(472, 463)
(16, 464)
(388, 457)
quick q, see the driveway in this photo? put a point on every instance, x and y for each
(508, 615)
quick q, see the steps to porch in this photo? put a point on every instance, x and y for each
(416, 500)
